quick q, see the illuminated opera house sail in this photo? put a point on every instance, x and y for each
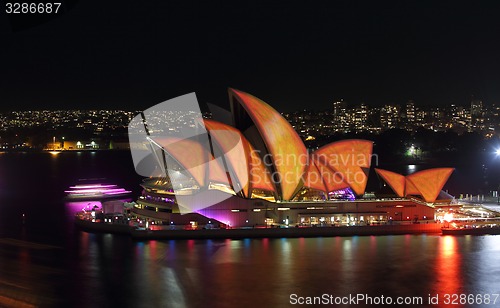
(252, 168)
(426, 184)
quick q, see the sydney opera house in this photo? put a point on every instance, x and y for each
(251, 169)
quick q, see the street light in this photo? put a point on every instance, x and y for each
(497, 152)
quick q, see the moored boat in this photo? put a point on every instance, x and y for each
(96, 191)
(473, 230)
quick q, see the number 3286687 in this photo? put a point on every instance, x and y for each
(32, 8)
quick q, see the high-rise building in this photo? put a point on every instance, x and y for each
(361, 117)
(339, 107)
(410, 115)
(389, 116)
(476, 115)
(476, 108)
(420, 117)
(340, 116)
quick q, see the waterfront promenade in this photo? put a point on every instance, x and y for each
(239, 233)
(490, 203)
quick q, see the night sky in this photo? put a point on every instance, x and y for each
(292, 54)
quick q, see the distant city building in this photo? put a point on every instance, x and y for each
(420, 117)
(389, 116)
(477, 121)
(339, 108)
(36, 129)
(76, 145)
(361, 117)
(341, 118)
(476, 108)
(410, 115)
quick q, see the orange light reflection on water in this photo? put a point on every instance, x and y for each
(449, 279)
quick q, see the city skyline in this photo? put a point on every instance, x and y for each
(341, 116)
(417, 130)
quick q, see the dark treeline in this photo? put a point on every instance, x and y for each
(428, 146)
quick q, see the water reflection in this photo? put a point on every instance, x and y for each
(448, 268)
(87, 270)
(107, 270)
(486, 269)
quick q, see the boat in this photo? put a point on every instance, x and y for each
(486, 228)
(96, 191)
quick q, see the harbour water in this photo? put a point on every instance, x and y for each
(45, 261)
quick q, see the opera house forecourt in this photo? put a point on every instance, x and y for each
(252, 170)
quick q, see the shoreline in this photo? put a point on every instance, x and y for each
(292, 232)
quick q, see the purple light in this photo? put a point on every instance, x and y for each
(96, 189)
(74, 207)
(345, 193)
(118, 192)
(91, 186)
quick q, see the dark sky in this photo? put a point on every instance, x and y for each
(292, 54)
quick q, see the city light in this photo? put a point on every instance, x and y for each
(497, 152)
(448, 217)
